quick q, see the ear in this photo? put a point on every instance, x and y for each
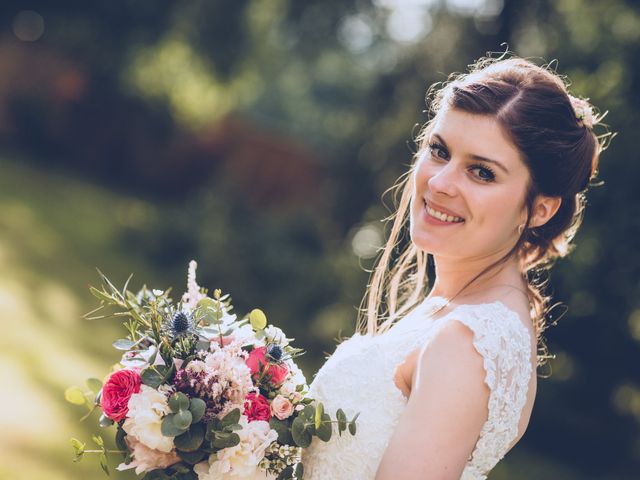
(544, 208)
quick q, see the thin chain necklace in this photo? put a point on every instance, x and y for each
(432, 313)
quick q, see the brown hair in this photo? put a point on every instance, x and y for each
(561, 152)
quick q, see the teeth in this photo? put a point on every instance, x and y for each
(443, 216)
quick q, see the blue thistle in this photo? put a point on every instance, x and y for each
(180, 324)
(275, 352)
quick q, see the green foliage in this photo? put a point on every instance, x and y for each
(157, 375)
(319, 413)
(300, 432)
(178, 401)
(220, 433)
(283, 427)
(75, 396)
(78, 449)
(258, 319)
(191, 440)
(197, 407)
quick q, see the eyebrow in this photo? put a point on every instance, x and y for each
(476, 157)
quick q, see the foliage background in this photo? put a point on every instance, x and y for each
(258, 136)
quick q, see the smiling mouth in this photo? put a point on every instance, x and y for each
(441, 215)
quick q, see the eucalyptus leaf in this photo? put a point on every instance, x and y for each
(308, 413)
(120, 442)
(78, 449)
(191, 440)
(283, 430)
(151, 377)
(286, 473)
(190, 475)
(192, 457)
(105, 421)
(342, 421)
(213, 425)
(156, 475)
(123, 344)
(299, 470)
(180, 469)
(230, 418)
(75, 395)
(207, 302)
(318, 414)
(168, 427)
(352, 428)
(225, 440)
(94, 385)
(197, 406)
(207, 315)
(182, 419)
(178, 401)
(325, 430)
(103, 463)
(97, 439)
(301, 437)
(258, 319)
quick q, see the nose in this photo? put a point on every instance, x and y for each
(444, 180)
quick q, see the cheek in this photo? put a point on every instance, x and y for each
(497, 215)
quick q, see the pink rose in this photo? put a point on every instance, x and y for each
(117, 391)
(259, 365)
(256, 407)
(281, 407)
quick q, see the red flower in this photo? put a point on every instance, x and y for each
(117, 391)
(256, 407)
(259, 365)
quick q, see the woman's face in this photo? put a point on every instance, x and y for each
(483, 197)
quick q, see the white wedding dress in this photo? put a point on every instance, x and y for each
(359, 377)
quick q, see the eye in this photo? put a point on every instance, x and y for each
(484, 173)
(438, 148)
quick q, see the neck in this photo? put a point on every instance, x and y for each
(452, 274)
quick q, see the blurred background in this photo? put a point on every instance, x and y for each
(257, 137)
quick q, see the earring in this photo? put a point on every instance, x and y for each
(520, 229)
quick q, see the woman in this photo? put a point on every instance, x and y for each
(445, 385)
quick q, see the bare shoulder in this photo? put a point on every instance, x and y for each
(450, 354)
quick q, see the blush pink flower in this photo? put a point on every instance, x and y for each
(256, 407)
(117, 391)
(281, 407)
(259, 365)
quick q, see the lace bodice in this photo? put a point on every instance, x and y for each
(359, 377)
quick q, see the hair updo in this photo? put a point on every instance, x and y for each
(553, 132)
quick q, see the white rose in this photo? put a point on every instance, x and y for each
(297, 377)
(144, 419)
(146, 459)
(241, 461)
(276, 335)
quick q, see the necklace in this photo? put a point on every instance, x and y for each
(438, 308)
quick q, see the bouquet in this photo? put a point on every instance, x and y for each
(200, 394)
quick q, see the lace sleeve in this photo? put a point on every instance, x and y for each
(504, 343)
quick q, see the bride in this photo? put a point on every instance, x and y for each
(445, 384)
